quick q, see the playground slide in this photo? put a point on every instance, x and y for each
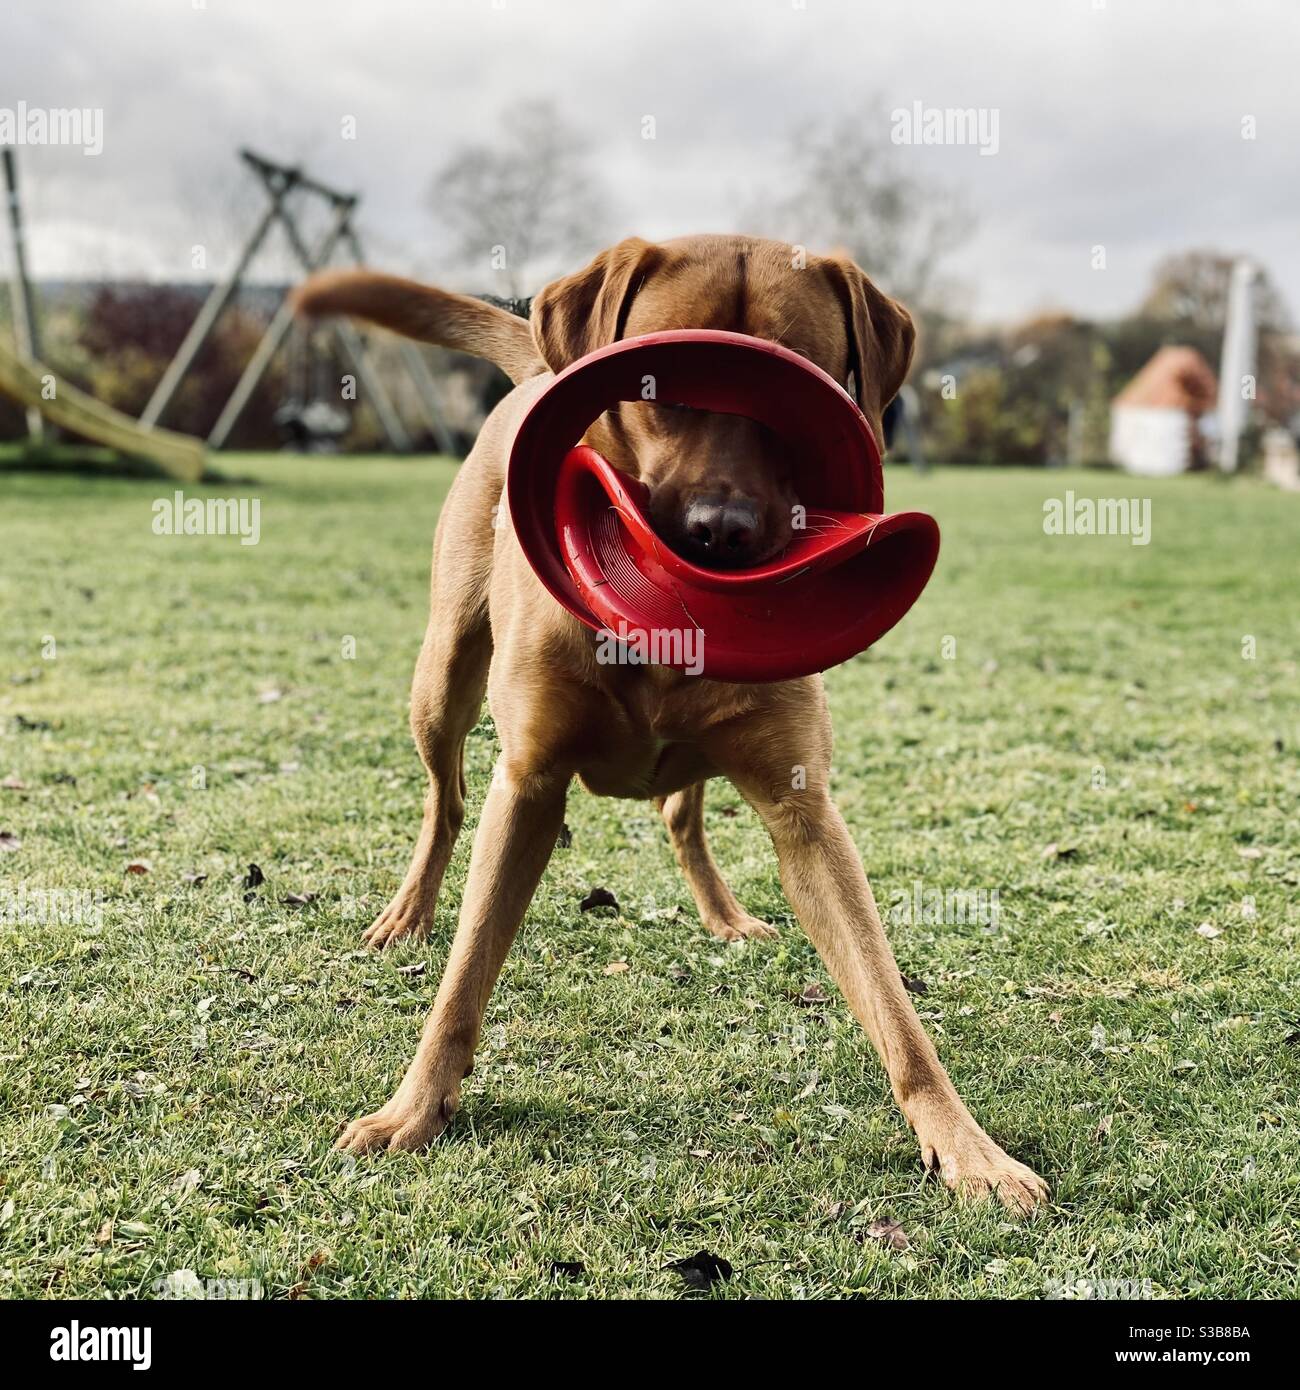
(80, 414)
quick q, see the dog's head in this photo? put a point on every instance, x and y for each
(722, 489)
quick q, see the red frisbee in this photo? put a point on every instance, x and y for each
(848, 575)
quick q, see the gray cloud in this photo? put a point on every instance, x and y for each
(1119, 125)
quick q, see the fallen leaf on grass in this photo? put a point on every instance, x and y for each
(253, 880)
(889, 1233)
(914, 986)
(9, 841)
(616, 967)
(1055, 851)
(13, 784)
(1209, 931)
(813, 994)
(187, 1182)
(1250, 852)
(1103, 1127)
(701, 1269)
(194, 880)
(269, 697)
(598, 897)
(139, 866)
(105, 1233)
(298, 899)
(417, 969)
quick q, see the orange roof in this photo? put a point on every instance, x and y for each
(1176, 378)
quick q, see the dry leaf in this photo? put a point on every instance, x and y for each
(598, 897)
(1103, 1127)
(616, 967)
(1055, 851)
(14, 784)
(889, 1233)
(139, 866)
(1209, 931)
(701, 1269)
(813, 994)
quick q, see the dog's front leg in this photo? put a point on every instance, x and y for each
(781, 767)
(521, 821)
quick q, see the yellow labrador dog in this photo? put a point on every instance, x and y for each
(722, 492)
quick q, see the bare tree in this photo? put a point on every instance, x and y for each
(525, 206)
(844, 187)
(1190, 288)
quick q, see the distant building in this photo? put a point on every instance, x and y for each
(1157, 420)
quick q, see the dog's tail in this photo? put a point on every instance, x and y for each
(426, 314)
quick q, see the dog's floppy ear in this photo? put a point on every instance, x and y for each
(881, 336)
(587, 310)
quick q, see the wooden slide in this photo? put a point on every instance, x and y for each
(81, 414)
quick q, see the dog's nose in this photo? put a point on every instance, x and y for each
(723, 532)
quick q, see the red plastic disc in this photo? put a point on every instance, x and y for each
(847, 576)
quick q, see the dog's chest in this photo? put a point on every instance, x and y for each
(643, 768)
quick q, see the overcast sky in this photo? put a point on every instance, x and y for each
(1119, 121)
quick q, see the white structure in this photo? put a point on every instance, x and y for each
(1237, 364)
(1155, 421)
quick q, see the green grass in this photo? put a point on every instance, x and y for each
(172, 1078)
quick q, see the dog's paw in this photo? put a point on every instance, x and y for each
(741, 927)
(397, 1127)
(401, 920)
(975, 1168)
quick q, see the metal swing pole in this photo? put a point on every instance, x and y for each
(353, 343)
(426, 389)
(218, 298)
(26, 337)
(274, 335)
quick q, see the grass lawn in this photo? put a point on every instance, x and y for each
(174, 1073)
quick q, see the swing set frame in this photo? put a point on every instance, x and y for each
(279, 181)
